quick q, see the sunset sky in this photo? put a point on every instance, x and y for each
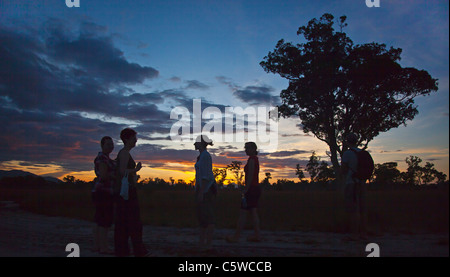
(69, 76)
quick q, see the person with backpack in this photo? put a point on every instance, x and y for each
(357, 167)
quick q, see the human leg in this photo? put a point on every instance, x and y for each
(135, 226)
(363, 212)
(105, 211)
(205, 212)
(239, 226)
(209, 235)
(256, 226)
(253, 195)
(95, 233)
(202, 236)
(121, 247)
(103, 240)
(351, 207)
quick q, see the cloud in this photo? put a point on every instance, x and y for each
(255, 95)
(227, 147)
(390, 151)
(52, 137)
(59, 72)
(194, 84)
(64, 87)
(289, 153)
(59, 84)
(433, 159)
(95, 54)
(175, 79)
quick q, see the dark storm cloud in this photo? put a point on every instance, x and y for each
(54, 79)
(93, 51)
(63, 71)
(99, 58)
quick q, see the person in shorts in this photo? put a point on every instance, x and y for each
(102, 195)
(205, 190)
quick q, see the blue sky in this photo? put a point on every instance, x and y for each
(174, 51)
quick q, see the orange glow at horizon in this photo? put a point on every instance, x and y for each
(182, 169)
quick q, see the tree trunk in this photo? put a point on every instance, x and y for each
(336, 166)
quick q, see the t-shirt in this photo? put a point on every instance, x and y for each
(102, 185)
(349, 158)
(203, 171)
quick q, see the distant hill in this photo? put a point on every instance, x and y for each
(18, 173)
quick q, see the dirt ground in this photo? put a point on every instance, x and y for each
(24, 234)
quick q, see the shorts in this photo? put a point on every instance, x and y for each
(355, 197)
(205, 210)
(251, 198)
(104, 208)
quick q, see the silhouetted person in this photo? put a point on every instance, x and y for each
(205, 190)
(249, 203)
(102, 195)
(128, 222)
(355, 191)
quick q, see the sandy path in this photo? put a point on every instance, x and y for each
(24, 234)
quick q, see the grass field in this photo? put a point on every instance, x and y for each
(402, 211)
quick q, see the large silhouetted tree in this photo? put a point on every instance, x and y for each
(336, 87)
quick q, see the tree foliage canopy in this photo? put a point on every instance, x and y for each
(336, 87)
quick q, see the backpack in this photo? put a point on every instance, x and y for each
(365, 165)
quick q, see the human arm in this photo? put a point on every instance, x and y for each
(124, 158)
(204, 175)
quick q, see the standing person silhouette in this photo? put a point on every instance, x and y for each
(355, 191)
(251, 195)
(205, 190)
(102, 195)
(128, 222)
